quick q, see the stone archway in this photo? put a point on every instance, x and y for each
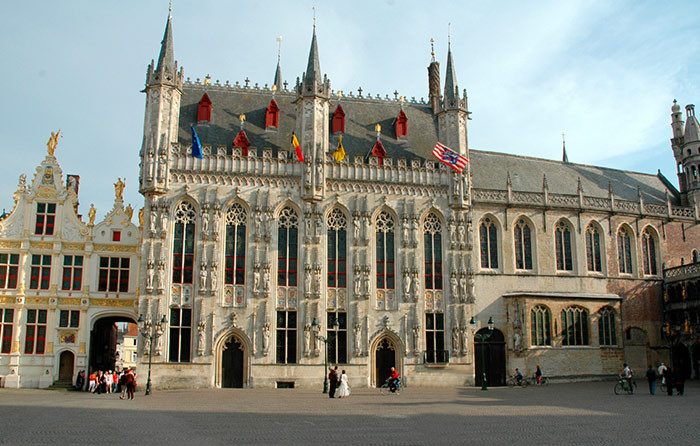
(490, 354)
(233, 352)
(385, 352)
(66, 365)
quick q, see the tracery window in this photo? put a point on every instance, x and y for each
(432, 230)
(385, 251)
(523, 245)
(183, 243)
(337, 225)
(540, 326)
(287, 245)
(649, 252)
(624, 251)
(562, 239)
(488, 241)
(606, 327)
(574, 326)
(593, 252)
(234, 250)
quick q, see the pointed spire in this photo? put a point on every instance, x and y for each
(166, 59)
(564, 156)
(278, 73)
(451, 89)
(313, 68)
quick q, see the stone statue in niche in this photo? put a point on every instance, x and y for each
(150, 159)
(365, 218)
(146, 345)
(415, 285)
(319, 226)
(453, 233)
(414, 232)
(358, 282)
(307, 339)
(315, 339)
(319, 174)
(164, 219)
(307, 279)
(365, 282)
(258, 224)
(463, 337)
(150, 273)
(152, 219)
(454, 286)
(162, 164)
(307, 175)
(357, 338)
(265, 337)
(201, 326)
(159, 339)
(404, 231)
(463, 286)
(308, 228)
(203, 276)
(416, 338)
(455, 339)
(216, 218)
(213, 275)
(266, 279)
(356, 228)
(256, 278)
(460, 234)
(406, 284)
(317, 279)
(161, 276)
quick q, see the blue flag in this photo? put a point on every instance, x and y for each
(196, 145)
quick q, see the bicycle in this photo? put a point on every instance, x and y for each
(624, 385)
(533, 381)
(512, 382)
(391, 385)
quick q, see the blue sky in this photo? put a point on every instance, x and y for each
(605, 73)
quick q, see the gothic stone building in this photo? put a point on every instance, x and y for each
(63, 282)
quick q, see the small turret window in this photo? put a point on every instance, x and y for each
(401, 125)
(204, 110)
(242, 142)
(272, 115)
(339, 120)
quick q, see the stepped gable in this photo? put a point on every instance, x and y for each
(489, 171)
(361, 115)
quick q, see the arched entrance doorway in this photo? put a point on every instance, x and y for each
(107, 342)
(493, 352)
(636, 349)
(65, 366)
(232, 359)
(386, 353)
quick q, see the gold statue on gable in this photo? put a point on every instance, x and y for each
(91, 215)
(53, 142)
(119, 189)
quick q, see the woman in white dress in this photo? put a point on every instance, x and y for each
(343, 389)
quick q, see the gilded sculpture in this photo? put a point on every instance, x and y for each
(119, 189)
(53, 142)
(91, 214)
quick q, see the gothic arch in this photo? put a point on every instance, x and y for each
(534, 238)
(219, 345)
(564, 224)
(386, 208)
(175, 202)
(432, 210)
(112, 312)
(233, 200)
(341, 207)
(602, 239)
(288, 203)
(393, 338)
(655, 256)
(633, 247)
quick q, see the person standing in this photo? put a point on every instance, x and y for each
(679, 380)
(651, 377)
(668, 377)
(130, 381)
(333, 379)
(538, 375)
(344, 388)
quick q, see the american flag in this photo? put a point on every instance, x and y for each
(450, 157)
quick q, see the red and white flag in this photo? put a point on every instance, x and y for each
(450, 157)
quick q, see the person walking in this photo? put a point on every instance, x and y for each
(651, 377)
(333, 379)
(344, 388)
(130, 381)
(668, 377)
(679, 381)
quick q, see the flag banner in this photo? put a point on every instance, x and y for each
(450, 157)
(339, 153)
(196, 145)
(297, 147)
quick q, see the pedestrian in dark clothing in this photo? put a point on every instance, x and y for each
(668, 377)
(333, 378)
(679, 381)
(651, 377)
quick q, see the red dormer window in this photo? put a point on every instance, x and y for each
(204, 110)
(242, 142)
(339, 120)
(272, 116)
(401, 125)
(379, 152)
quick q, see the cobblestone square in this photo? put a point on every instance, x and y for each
(581, 413)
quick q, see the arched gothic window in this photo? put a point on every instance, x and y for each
(337, 225)
(593, 254)
(385, 250)
(562, 242)
(606, 327)
(624, 251)
(433, 252)
(235, 245)
(488, 241)
(183, 243)
(574, 326)
(287, 246)
(540, 326)
(523, 245)
(649, 252)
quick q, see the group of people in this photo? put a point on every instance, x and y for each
(519, 376)
(338, 382)
(673, 379)
(108, 382)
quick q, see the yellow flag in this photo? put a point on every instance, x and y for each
(339, 153)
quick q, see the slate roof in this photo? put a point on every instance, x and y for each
(489, 169)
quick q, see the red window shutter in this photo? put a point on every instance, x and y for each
(242, 142)
(204, 110)
(401, 125)
(339, 120)
(272, 115)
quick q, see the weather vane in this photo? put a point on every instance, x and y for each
(314, 10)
(432, 48)
(279, 48)
(449, 34)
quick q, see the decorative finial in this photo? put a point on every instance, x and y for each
(432, 49)
(279, 48)
(314, 9)
(449, 34)
(170, 10)
(378, 129)
(53, 142)
(340, 95)
(207, 80)
(241, 118)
